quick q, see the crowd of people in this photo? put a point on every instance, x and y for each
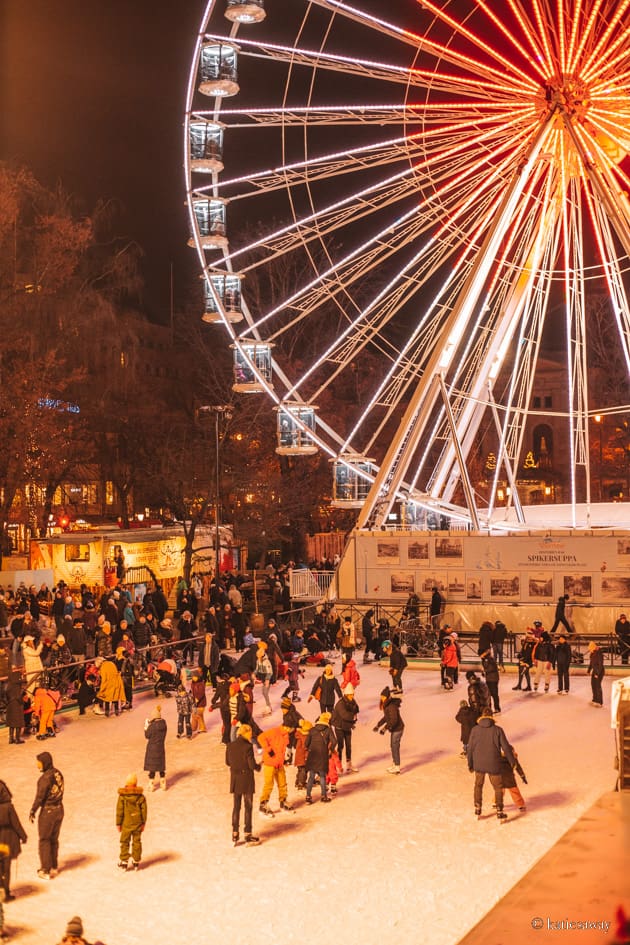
(111, 639)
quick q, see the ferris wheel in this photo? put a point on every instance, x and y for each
(395, 207)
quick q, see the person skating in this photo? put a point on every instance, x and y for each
(596, 672)
(525, 662)
(274, 743)
(49, 802)
(449, 662)
(478, 692)
(185, 705)
(392, 722)
(467, 718)
(562, 660)
(397, 663)
(198, 692)
(239, 756)
(343, 721)
(326, 690)
(299, 756)
(320, 743)
(367, 629)
(155, 730)
(560, 615)
(542, 655)
(131, 818)
(509, 780)
(12, 836)
(491, 674)
(622, 632)
(486, 746)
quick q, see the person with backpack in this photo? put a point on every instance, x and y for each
(486, 748)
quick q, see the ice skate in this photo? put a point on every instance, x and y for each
(478, 813)
(326, 799)
(251, 840)
(393, 769)
(501, 816)
(350, 769)
(122, 865)
(265, 810)
(132, 866)
(235, 837)
(43, 874)
(163, 784)
(284, 805)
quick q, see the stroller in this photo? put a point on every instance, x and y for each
(166, 681)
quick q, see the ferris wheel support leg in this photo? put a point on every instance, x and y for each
(505, 459)
(468, 490)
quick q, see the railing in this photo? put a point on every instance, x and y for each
(310, 585)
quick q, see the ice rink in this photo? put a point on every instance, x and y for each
(393, 859)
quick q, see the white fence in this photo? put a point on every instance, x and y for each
(310, 585)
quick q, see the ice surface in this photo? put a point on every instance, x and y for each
(393, 858)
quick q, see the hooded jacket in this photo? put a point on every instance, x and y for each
(345, 714)
(11, 831)
(50, 785)
(486, 745)
(131, 807)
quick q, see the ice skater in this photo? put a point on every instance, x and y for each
(131, 817)
(239, 757)
(392, 722)
(486, 747)
(49, 802)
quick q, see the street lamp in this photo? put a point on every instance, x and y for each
(217, 411)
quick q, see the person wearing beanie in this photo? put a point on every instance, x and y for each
(198, 693)
(131, 817)
(274, 743)
(239, 757)
(326, 690)
(391, 721)
(74, 933)
(397, 663)
(343, 720)
(155, 730)
(486, 748)
(49, 802)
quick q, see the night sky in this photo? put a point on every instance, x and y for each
(93, 95)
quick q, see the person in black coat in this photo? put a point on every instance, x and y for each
(391, 722)
(562, 660)
(486, 634)
(560, 616)
(596, 672)
(486, 747)
(367, 630)
(246, 663)
(15, 708)
(498, 642)
(320, 744)
(491, 673)
(239, 756)
(397, 663)
(525, 661)
(622, 632)
(329, 690)
(12, 835)
(49, 802)
(155, 755)
(343, 720)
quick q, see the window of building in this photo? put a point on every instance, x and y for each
(548, 402)
(77, 552)
(536, 403)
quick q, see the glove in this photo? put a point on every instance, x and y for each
(376, 729)
(381, 731)
(31, 816)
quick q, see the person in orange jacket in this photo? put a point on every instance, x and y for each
(274, 743)
(45, 704)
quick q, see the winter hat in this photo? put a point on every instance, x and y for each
(348, 689)
(463, 703)
(329, 672)
(75, 927)
(285, 703)
(471, 674)
(131, 780)
(324, 718)
(120, 651)
(28, 638)
(592, 646)
(245, 731)
(304, 725)
(157, 712)
(386, 692)
(453, 635)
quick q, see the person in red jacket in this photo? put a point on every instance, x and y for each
(274, 743)
(450, 662)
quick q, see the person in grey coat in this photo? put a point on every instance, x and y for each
(155, 754)
(486, 746)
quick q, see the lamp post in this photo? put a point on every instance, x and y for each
(217, 411)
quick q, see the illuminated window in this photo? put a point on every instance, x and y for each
(77, 552)
(109, 493)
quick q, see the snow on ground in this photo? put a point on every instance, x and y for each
(392, 859)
